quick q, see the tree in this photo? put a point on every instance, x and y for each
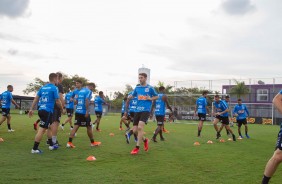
(168, 88)
(67, 83)
(240, 89)
(128, 88)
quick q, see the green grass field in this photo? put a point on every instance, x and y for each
(176, 160)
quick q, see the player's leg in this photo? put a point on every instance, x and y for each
(4, 116)
(246, 128)
(215, 121)
(9, 123)
(159, 128)
(78, 119)
(55, 125)
(239, 128)
(274, 161)
(229, 129)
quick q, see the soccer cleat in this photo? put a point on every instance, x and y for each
(241, 136)
(98, 130)
(70, 145)
(34, 126)
(54, 147)
(36, 151)
(165, 131)
(120, 128)
(146, 144)
(247, 136)
(11, 130)
(234, 138)
(134, 151)
(154, 140)
(127, 137)
(162, 139)
(218, 135)
(62, 127)
(95, 144)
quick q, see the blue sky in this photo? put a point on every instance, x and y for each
(107, 41)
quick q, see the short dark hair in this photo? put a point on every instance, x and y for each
(79, 81)
(91, 84)
(9, 86)
(59, 74)
(143, 74)
(239, 99)
(205, 92)
(227, 96)
(216, 96)
(161, 88)
(52, 76)
(101, 92)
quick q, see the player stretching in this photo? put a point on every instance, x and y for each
(7, 98)
(99, 101)
(241, 112)
(48, 95)
(82, 115)
(276, 159)
(69, 107)
(202, 109)
(145, 95)
(160, 105)
(221, 110)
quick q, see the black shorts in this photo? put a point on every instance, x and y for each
(46, 118)
(131, 116)
(57, 115)
(279, 139)
(241, 121)
(223, 120)
(98, 114)
(5, 112)
(140, 116)
(81, 120)
(160, 119)
(69, 112)
(202, 116)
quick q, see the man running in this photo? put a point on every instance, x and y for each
(221, 114)
(7, 98)
(159, 106)
(241, 112)
(99, 101)
(202, 109)
(145, 95)
(48, 95)
(82, 115)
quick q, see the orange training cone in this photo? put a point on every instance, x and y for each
(196, 144)
(111, 134)
(221, 140)
(91, 158)
(209, 142)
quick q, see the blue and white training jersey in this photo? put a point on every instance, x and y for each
(68, 101)
(141, 92)
(99, 104)
(241, 110)
(6, 99)
(47, 97)
(132, 103)
(83, 95)
(280, 92)
(160, 106)
(220, 107)
(202, 105)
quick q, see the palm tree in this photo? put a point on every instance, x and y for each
(168, 88)
(240, 89)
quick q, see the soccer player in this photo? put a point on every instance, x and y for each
(99, 101)
(7, 98)
(221, 109)
(145, 95)
(69, 107)
(82, 115)
(202, 109)
(123, 119)
(57, 113)
(159, 106)
(241, 112)
(47, 95)
(276, 159)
